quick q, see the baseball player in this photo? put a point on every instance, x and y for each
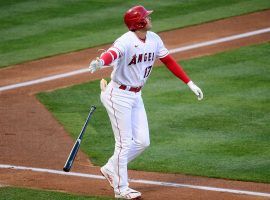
(132, 56)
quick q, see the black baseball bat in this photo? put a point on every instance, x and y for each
(77, 144)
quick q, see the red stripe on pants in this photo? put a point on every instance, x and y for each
(120, 139)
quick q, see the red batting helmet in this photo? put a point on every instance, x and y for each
(135, 17)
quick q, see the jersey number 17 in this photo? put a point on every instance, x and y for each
(147, 71)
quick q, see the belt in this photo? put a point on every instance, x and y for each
(132, 89)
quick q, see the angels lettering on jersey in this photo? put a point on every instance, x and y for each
(143, 57)
(136, 58)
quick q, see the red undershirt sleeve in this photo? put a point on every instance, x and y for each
(109, 57)
(175, 68)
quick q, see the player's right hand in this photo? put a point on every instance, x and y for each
(95, 65)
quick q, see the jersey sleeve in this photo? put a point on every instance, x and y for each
(118, 47)
(162, 51)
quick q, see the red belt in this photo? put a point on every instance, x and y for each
(132, 89)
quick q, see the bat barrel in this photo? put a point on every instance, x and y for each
(77, 144)
(72, 156)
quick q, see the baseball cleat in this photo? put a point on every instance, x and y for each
(129, 194)
(107, 174)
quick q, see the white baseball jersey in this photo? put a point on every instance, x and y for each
(136, 58)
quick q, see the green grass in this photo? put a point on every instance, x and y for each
(226, 135)
(31, 29)
(9, 193)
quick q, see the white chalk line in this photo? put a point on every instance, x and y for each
(141, 181)
(172, 51)
(1, 185)
(220, 40)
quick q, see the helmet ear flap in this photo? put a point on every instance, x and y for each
(142, 23)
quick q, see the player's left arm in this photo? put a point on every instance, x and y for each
(178, 71)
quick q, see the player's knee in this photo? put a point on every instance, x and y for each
(144, 144)
(124, 144)
(147, 144)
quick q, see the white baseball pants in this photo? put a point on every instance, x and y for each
(130, 127)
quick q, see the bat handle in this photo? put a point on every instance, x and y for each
(92, 108)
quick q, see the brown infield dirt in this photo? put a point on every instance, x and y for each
(30, 135)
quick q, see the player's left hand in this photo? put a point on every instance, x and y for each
(103, 85)
(194, 88)
(95, 65)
